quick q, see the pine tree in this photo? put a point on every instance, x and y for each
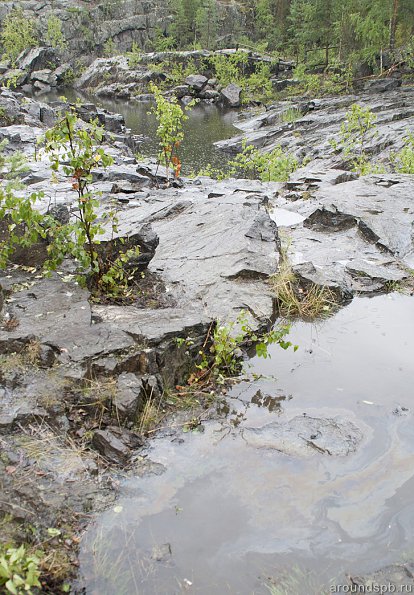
(206, 23)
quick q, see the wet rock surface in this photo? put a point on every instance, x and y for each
(318, 122)
(367, 225)
(85, 371)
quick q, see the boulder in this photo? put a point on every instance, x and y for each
(282, 84)
(36, 58)
(45, 76)
(111, 122)
(382, 85)
(186, 100)
(41, 87)
(129, 398)
(148, 241)
(62, 73)
(180, 91)
(111, 447)
(210, 95)
(196, 81)
(231, 95)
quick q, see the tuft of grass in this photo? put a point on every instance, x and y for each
(152, 413)
(28, 357)
(295, 301)
(297, 580)
(290, 115)
(49, 450)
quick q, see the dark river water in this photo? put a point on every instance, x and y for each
(222, 516)
(206, 124)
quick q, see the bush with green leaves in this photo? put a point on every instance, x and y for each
(229, 68)
(259, 84)
(170, 118)
(134, 56)
(18, 33)
(54, 34)
(275, 166)
(19, 570)
(354, 136)
(22, 224)
(76, 149)
(404, 160)
(233, 69)
(224, 357)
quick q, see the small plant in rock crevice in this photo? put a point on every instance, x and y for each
(403, 161)
(294, 300)
(224, 358)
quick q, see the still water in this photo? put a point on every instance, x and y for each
(206, 124)
(221, 515)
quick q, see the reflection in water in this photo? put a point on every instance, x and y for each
(224, 516)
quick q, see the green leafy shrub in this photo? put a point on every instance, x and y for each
(355, 133)
(224, 358)
(404, 159)
(109, 49)
(18, 34)
(134, 56)
(22, 224)
(258, 84)
(163, 43)
(19, 571)
(178, 72)
(54, 34)
(229, 69)
(170, 117)
(275, 166)
(76, 149)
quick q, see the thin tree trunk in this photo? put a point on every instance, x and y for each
(393, 23)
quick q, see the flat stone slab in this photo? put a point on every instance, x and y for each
(354, 235)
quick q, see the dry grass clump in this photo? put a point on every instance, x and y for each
(295, 301)
(152, 413)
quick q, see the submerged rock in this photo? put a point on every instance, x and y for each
(306, 435)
